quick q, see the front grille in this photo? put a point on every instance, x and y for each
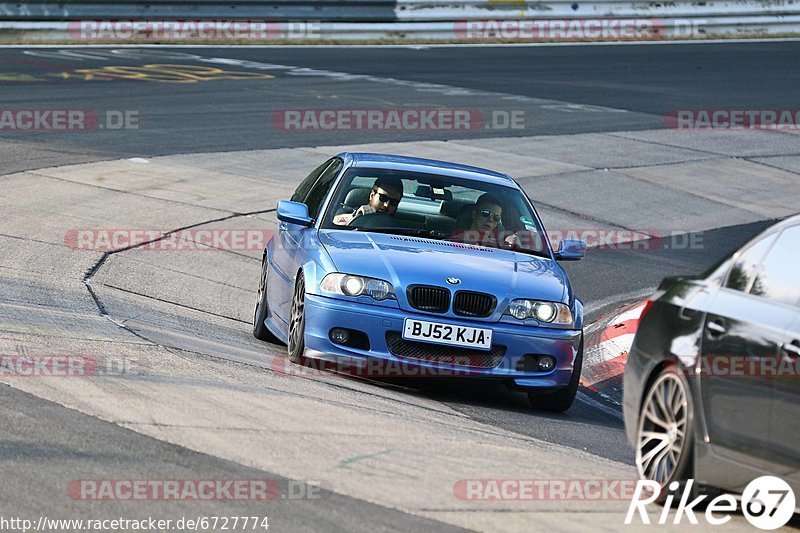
(476, 304)
(447, 355)
(427, 298)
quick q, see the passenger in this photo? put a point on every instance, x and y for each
(485, 222)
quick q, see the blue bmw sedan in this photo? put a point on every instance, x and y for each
(437, 269)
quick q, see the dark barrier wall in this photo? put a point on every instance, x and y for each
(294, 10)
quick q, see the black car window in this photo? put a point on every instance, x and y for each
(321, 188)
(778, 279)
(744, 271)
(305, 186)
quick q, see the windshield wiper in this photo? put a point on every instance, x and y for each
(529, 251)
(414, 232)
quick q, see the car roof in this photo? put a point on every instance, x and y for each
(429, 166)
(777, 227)
(785, 223)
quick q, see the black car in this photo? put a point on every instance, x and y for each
(712, 382)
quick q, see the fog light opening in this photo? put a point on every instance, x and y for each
(352, 338)
(546, 363)
(339, 335)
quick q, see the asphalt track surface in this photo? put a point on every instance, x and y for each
(646, 81)
(226, 115)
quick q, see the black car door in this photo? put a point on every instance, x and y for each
(743, 332)
(786, 408)
(780, 282)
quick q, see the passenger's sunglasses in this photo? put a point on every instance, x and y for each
(394, 202)
(486, 213)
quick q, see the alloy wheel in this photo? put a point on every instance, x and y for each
(297, 319)
(663, 427)
(260, 295)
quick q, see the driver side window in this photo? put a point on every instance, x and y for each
(313, 189)
(305, 186)
(320, 190)
(746, 269)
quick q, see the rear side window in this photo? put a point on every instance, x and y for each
(745, 269)
(778, 279)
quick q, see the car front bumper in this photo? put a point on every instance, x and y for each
(323, 314)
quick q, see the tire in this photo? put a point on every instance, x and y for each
(297, 322)
(665, 431)
(260, 331)
(562, 399)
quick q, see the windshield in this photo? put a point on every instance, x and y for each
(437, 207)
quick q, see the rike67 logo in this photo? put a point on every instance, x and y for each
(767, 503)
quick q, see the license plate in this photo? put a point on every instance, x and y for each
(464, 336)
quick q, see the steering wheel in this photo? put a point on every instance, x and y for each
(347, 208)
(373, 220)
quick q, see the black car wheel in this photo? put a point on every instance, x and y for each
(665, 433)
(297, 321)
(260, 331)
(562, 399)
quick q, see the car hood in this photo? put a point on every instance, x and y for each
(411, 260)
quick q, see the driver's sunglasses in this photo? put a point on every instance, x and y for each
(486, 213)
(394, 202)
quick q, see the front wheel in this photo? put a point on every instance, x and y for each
(561, 400)
(297, 322)
(260, 331)
(665, 433)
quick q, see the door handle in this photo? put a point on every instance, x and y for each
(792, 349)
(716, 328)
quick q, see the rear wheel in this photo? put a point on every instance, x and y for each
(562, 399)
(297, 322)
(665, 433)
(260, 331)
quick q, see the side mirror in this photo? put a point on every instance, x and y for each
(294, 213)
(571, 250)
(668, 282)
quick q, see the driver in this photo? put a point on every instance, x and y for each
(384, 197)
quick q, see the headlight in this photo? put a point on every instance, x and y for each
(520, 309)
(546, 312)
(350, 285)
(379, 289)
